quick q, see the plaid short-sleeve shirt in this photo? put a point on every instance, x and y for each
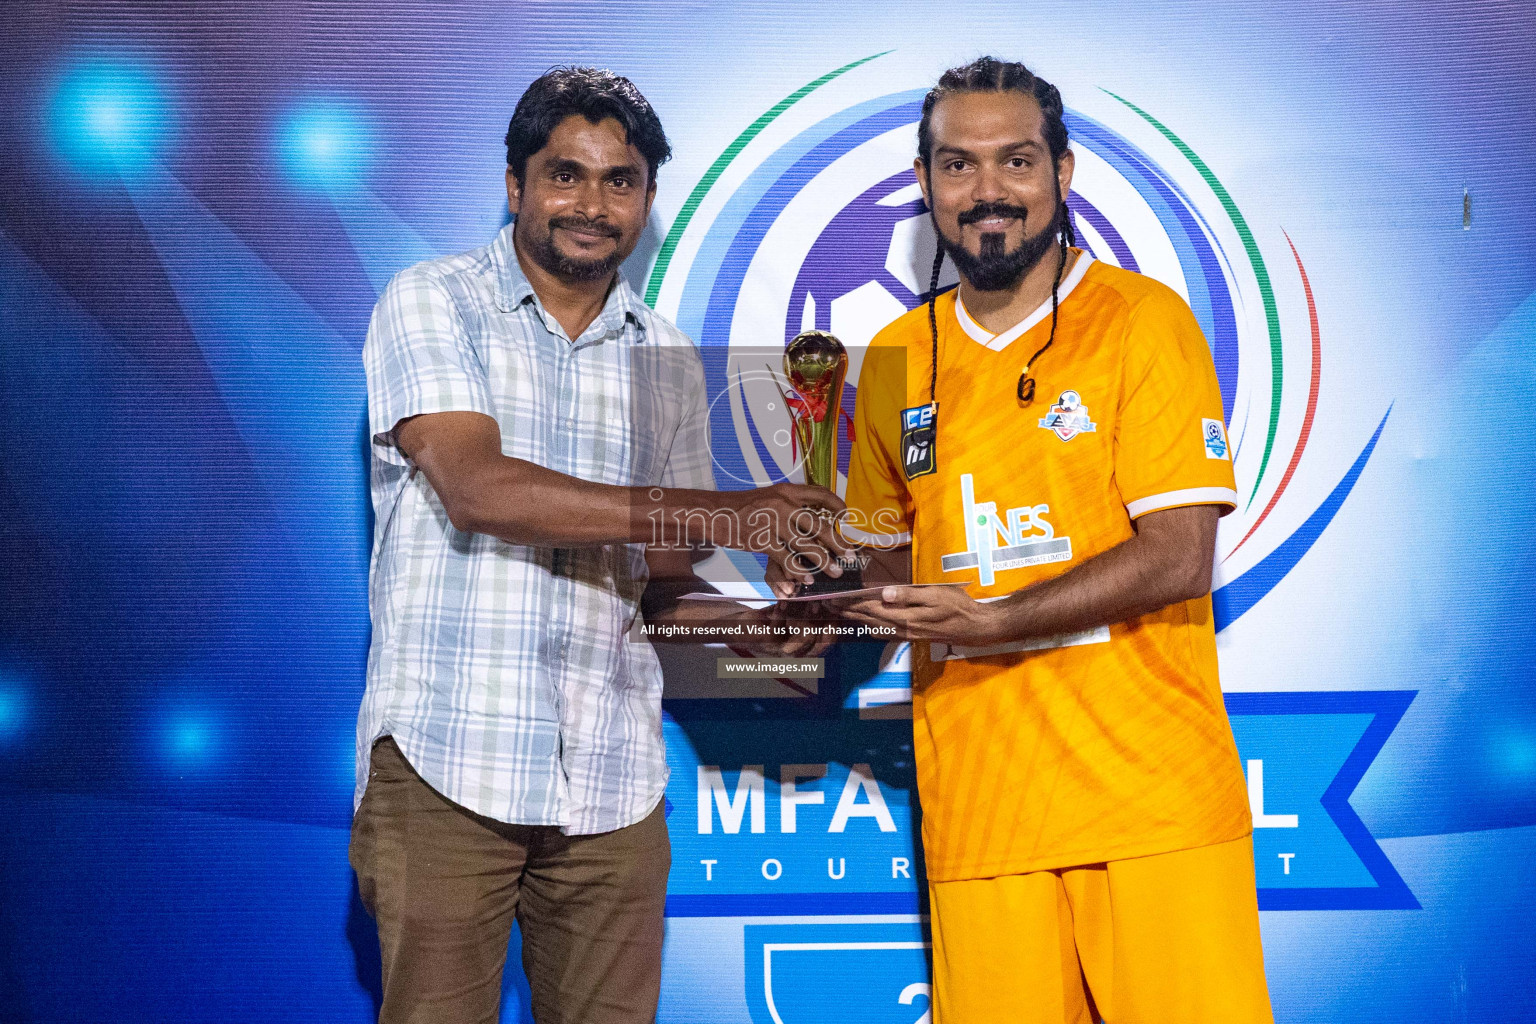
(511, 675)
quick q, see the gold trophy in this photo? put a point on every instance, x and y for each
(816, 364)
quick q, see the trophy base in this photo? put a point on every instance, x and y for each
(851, 579)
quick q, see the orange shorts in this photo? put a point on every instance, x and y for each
(1167, 939)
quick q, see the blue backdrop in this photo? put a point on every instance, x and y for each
(202, 203)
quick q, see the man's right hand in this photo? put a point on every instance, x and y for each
(796, 526)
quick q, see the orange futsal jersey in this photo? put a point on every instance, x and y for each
(1066, 750)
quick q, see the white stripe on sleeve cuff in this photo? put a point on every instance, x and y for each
(1174, 499)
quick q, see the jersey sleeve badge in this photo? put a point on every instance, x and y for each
(1214, 434)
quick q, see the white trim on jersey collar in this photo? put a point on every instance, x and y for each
(998, 342)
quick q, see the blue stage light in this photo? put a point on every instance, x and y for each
(13, 711)
(325, 145)
(189, 740)
(109, 116)
(1517, 754)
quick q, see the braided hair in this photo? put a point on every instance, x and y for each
(987, 74)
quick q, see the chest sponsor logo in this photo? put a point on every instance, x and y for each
(918, 434)
(1215, 437)
(1068, 417)
(995, 542)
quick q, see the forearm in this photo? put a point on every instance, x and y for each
(1132, 579)
(485, 491)
(524, 503)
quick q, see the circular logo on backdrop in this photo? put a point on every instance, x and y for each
(829, 230)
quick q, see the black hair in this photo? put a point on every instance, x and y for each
(988, 74)
(593, 93)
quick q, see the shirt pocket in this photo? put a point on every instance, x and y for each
(523, 410)
(626, 420)
(657, 401)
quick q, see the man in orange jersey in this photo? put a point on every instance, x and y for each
(1051, 434)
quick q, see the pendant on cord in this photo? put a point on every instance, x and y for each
(1026, 387)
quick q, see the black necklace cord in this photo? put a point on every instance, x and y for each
(1026, 389)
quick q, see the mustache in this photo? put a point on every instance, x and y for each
(583, 224)
(981, 211)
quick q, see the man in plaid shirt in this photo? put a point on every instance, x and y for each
(532, 422)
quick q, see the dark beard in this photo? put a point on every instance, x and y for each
(543, 252)
(994, 270)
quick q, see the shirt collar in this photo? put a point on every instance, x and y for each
(998, 342)
(513, 289)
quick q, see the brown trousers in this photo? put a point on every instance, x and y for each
(445, 884)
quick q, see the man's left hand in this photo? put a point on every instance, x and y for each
(946, 614)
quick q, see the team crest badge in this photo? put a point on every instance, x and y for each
(1215, 437)
(1069, 417)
